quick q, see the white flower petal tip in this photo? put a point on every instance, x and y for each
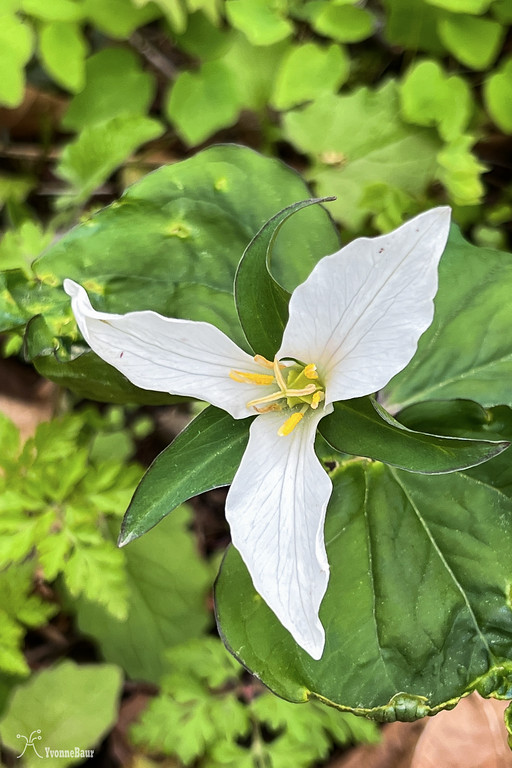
(361, 312)
(276, 510)
(161, 354)
(72, 289)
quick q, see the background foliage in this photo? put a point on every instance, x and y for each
(393, 106)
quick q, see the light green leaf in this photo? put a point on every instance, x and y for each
(307, 71)
(417, 611)
(502, 10)
(345, 23)
(71, 706)
(358, 140)
(460, 171)
(474, 42)
(114, 84)
(412, 24)
(205, 455)
(62, 48)
(57, 10)
(462, 6)
(202, 102)
(16, 41)
(253, 69)
(119, 18)
(389, 206)
(498, 96)
(167, 583)
(430, 97)
(467, 351)
(261, 24)
(19, 247)
(89, 160)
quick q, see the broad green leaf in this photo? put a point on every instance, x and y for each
(63, 48)
(258, 21)
(254, 70)
(498, 96)
(460, 171)
(474, 42)
(417, 612)
(114, 84)
(462, 6)
(345, 23)
(467, 351)
(15, 51)
(349, 153)
(167, 582)
(100, 148)
(119, 18)
(307, 71)
(429, 97)
(502, 10)
(459, 418)
(19, 247)
(57, 10)
(173, 10)
(72, 706)
(389, 206)
(261, 302)
(202, 102)
(203, 38)
(412, 24)
(361, 427)
(204, 456)
(171, 244)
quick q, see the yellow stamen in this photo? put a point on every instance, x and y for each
(268, 399)
(281, 383)
(317, 398)
(290, 424)
(266, 363)
(251, 378)
(307, 390)
(310, 371)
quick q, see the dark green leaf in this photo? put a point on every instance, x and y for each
(262, 303)
(204, 456)
(363, 428)
(467, 351)
(418, 609)
(171, 244)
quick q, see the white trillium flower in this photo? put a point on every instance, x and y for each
(353, 324)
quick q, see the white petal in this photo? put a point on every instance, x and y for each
(276, 510)
(361, 312)
(158, 353)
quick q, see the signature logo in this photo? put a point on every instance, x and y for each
(30, 741)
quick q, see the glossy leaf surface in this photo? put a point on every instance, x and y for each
(171, 244)
(362, 427)
(204, 456)
(418, 609)
(261, 302)
(467, 351)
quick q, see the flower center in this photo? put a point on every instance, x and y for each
(298, 388)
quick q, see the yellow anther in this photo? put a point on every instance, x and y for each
(266, 363)
(290, 424)
(317, 398)
(268, 408)
(310, 371)
(251, 378)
